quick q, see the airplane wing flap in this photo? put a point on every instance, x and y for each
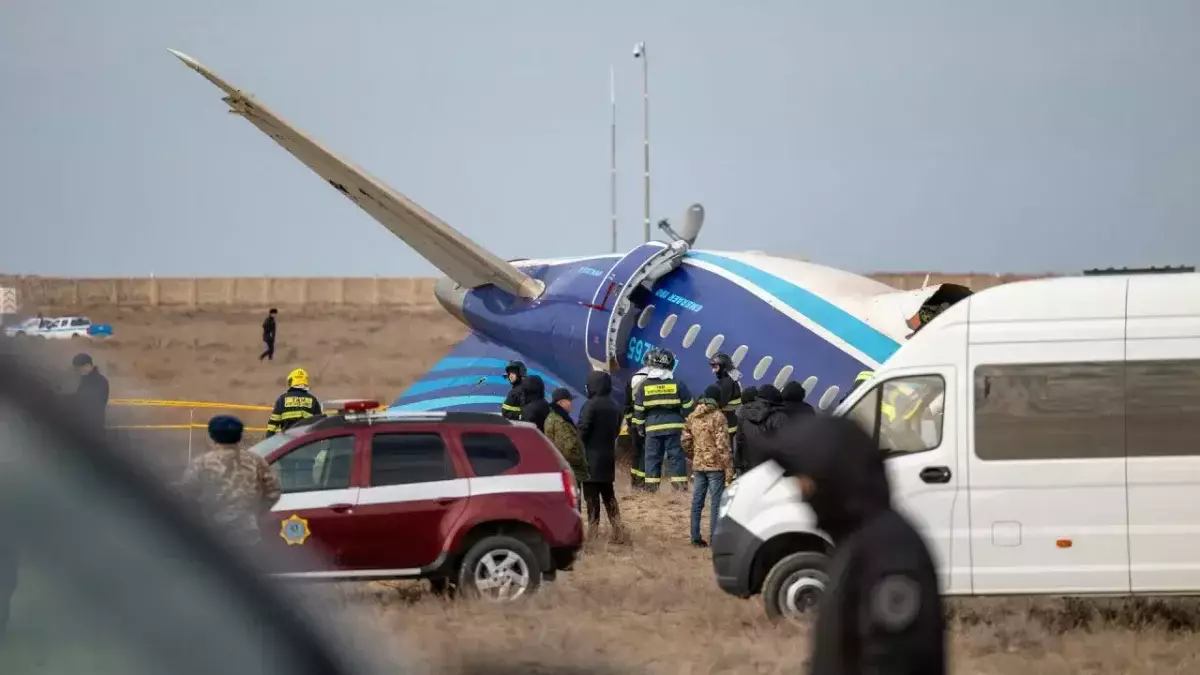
(455, 255)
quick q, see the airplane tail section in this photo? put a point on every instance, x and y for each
(457, 256)
(470, 378)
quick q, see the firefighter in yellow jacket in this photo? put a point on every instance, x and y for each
(660, 405)
(294, 405)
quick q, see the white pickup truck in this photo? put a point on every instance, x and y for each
(60, 328)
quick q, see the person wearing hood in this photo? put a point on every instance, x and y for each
(561, 431)
(514, 372)
(706, 440)
(883, 611)
(760, 421)
(731, 391)
(660, 405)
(91, 397)
(793, 396)
(534, 407)
(599, 427)
(749, 394)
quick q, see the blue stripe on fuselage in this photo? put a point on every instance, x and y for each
(491, 403)
(847, 327)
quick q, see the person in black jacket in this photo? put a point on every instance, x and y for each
(759, 422)
(514, 372)
(749, 394)
(731, 392)
(91, 397)
(269, 335)
(793, 396)
(882, 613)
(535, 408)
(599, 426)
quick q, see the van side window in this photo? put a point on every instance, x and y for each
(1162, 408)
(908, 412)
(1050, 411)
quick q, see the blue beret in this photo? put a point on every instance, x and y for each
(225, 429)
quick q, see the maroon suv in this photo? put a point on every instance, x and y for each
(468, 500)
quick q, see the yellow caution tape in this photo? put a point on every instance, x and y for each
(147, 402)
(156, 427)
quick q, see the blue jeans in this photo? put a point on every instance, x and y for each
(668, 445)
(711, 483)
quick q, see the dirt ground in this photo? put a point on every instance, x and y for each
(648, 607)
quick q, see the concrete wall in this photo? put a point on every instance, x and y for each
(47, 292)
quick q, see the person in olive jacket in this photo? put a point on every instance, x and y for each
(599, 427)
(561, 431)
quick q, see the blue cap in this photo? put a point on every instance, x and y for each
(225, 429)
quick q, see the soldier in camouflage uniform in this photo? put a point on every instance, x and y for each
(706, 440)
(233, 487)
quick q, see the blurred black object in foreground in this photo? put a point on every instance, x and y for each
(114, 576)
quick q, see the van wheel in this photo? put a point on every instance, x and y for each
(499, 569)
(794, 586)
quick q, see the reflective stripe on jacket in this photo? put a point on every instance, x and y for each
(660, 406)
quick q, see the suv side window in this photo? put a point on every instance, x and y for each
(406, 458)
(320, 465)
(490, 454)
(904, 414)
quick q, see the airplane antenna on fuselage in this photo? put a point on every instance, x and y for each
(612, 185)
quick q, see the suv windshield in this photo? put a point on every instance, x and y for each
(268, 445)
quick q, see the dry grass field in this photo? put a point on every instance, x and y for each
(648, 607)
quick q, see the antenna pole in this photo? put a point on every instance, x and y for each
(640, 53)
(646, 135)
(612, 186)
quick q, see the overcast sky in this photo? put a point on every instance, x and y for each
(954, 135)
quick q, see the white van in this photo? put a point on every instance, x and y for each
(1043, 435)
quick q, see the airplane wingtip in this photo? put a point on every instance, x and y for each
(183, 57)
(200, 68)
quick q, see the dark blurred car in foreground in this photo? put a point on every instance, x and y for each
(116, 577)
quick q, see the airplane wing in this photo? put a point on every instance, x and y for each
(470, 378)
(459, 258)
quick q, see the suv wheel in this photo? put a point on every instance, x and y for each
(499, 569)
(794, 586)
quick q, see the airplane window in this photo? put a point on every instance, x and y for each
(689, 338)
(828, 398)
(761, 368)
(714, 346)
(644, 318)
(739, 354)
(811, 383)
(668, 325)
(782, 378)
